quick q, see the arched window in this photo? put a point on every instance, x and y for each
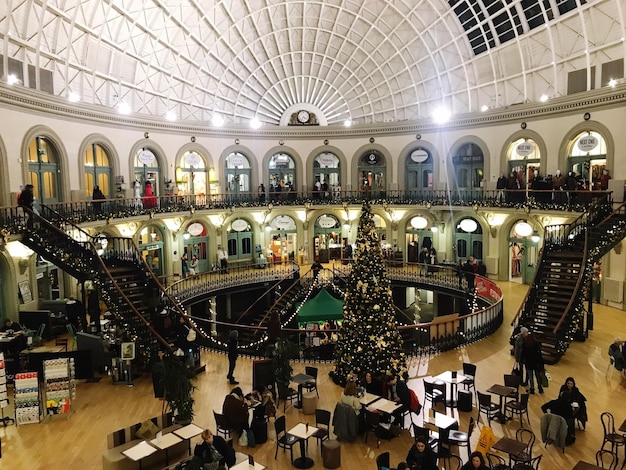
(524, 159)
(240, 240)
(191, 175)
(196, 242)
(283, 238)
(282, 176)
(418, 236)
(587, 159)
(327, 240)
(418, 171)
(97, 170)
(147, 173)
(44, 170)
(372, 171)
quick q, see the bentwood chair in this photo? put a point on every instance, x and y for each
(532, 464)
(497, 462)
(527, 437)
(610, 436)
(606, 459)
(452, 462)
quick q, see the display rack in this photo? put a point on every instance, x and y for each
(27, 398)
(60, 386)
(4, 395)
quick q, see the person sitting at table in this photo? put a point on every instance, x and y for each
(398, 392)
(372, 385)
(616, 351)
(570, 392)
(348, 396)
(9, 326)
(475, 462)
(235, 411)
(213, 451)
(562, 406)
(421, 455)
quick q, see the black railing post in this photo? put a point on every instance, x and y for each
(590, 308)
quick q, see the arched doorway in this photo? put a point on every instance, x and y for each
(468, 162)
(524, 158)
(97, 169)
(283, 238)
(372, 171)
(191, 175)
(195, 243)
(44, 170)
(326, 171)
(238, 174)
(327, 241)
(147, 174)
(418, 236)
(468, 239)
(240, 241)
(151, 248)
(587, 159)
(418, 169)
(523, 252)
(282, 176)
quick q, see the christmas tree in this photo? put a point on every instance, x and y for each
(369, 340)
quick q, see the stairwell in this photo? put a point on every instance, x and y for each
(554, 309)
(114, 265)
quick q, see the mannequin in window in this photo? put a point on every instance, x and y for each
(137, 193)
(150, 199)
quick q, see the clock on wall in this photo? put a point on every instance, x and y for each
(303, 116)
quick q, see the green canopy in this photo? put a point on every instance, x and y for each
(321, 307)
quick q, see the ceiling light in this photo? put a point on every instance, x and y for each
(218, 120)
(523, 229)
(255, 123)
(123, 108)
(73, 97)
(441, 115)
(419, 222)
(468, 225)
(171, 116)
(13, 80)
(535, 237)
(347, 122)
(484, 108)
(612, 83)
(434, 229)
(543, 98)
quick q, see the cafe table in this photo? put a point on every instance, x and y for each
(502, 391)
(301, 379)
(440, 423)
(164, 442)
(302, 431)
(454, 379)
(582, 465)
(246, 466)
(139, 452)
(384, 405)
(368, 398)
(509, 446)
(188, 432)
(622, 428)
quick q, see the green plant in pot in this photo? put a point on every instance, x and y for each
(173, 381)
(281, 353)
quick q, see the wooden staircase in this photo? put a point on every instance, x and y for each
(123, 281)
(554, 309)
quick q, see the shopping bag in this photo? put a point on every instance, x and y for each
(485, 440)
(243, 439)
(517, 369)
(545, 378)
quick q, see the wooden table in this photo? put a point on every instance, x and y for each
(300, 430)
(188, 432)
(139, 452)
(301, 379)
(384, 405)
(453, 378)
(509, 446)
(502, 391)
(622, 428)
(582, 465)
(164, 442)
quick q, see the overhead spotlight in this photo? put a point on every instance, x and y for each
(441, 115)
(218, 120)
(347, 122)
(73, 97)
(171, 116)
(13, 80)
(123, 108)
(255, 123)
(543, 98)
(535, 237)
(484, 108)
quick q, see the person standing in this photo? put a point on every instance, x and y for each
(26, 200)
(222, 255)
(518, 351)
(533, 362)
(469, 268)
(97, 196)
(316, 267)
(501, 186)
(184, 265)
(233, 353)
(193, 266)
(93, 307)
(261, 191)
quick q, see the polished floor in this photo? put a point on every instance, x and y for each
(77, 440)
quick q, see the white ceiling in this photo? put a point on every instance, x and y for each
(372, 61)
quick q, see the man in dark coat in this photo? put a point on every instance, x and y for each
(233, 353)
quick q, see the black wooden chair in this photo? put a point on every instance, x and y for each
(221, 425)
(485, 405)
(283, 438)
(322, 423)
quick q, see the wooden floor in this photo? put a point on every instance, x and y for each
(78, 441)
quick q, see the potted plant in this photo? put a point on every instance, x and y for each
(281, 353)
(173, 381)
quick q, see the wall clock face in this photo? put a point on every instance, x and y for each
(303, 116)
